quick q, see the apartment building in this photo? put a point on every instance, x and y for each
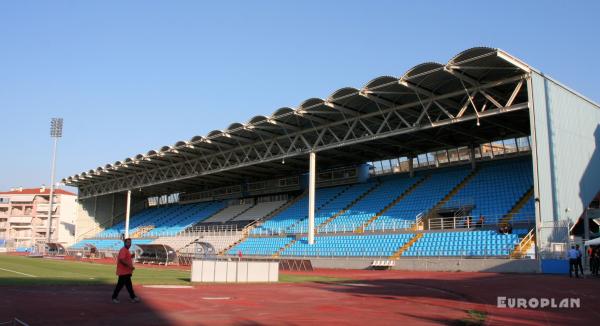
(24, 217)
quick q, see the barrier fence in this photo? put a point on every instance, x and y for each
(186, 233)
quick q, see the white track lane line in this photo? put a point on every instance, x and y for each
(8, 270)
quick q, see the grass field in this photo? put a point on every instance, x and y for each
(20, 270)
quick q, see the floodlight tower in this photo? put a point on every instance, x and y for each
(56, 126)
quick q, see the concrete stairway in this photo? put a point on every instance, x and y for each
(449, 195)
(345, 209)
(362, 228)
(284, 248)
(256, 223)
(141, 231)
(291, 227)
(526, 243)
(517, 207)
(407, 245)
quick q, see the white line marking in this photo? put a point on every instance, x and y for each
(169, 286)
(216, 298)
(8, 270)
(357, 284)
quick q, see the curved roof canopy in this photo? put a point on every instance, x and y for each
(429, 93)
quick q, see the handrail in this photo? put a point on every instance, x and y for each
(442, 223)
(467, 222)
(527, 239)
(442, 253)
(177, 234)
(419, 218)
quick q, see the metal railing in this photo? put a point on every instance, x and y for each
(482, 252)
(186, 233)
(334, 228)
(399, 225)
(468, 222)
(214, 228)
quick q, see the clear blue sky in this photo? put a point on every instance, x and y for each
(130, 76)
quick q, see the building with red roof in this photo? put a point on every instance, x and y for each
(24, 217)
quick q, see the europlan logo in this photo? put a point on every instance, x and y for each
(539, 303)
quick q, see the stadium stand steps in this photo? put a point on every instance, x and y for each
(187, 246)
(275, 212)
(248, 228)
(352, 203)
(362, 228)
(260, 246)
(495, 189)
(524, 245)
(517, 207)
(226, 249)
(407, 245)
(199, 223)
(139, 233)
(285, 206)
(240, 213)
(114, 220)
(348, 245)
(106, 244)
(471, 243)
(454, 191)
(245, 234)
(291, 227)
(284, 248)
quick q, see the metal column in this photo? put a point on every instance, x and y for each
(51, 199)
(586, 224)
(311, 197)
(472, 157)
(127, 212)
(411, 168)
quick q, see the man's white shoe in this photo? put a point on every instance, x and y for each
(115, 301)
(135, 300)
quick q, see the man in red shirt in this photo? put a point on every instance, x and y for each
(124, 270)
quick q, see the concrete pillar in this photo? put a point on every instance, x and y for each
(127, 212)
(586, 225)
(311, 197)
(411, 169)
(472, 157)
(112, 210)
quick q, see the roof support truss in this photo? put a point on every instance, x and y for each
(385, 122)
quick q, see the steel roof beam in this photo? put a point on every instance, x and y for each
(357, 129)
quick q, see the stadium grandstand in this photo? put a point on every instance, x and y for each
(482, 159)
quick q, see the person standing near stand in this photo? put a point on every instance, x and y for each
(572, 256)
(579, 260)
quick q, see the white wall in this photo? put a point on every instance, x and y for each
(566, 136)
(66, 222)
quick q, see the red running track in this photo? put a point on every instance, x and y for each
(373, 297)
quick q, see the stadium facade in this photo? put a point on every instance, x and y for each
(482, 105)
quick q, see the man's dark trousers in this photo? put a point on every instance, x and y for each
(124, 280)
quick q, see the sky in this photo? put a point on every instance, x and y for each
(131, 76)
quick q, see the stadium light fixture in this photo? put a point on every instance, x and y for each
(56, 128)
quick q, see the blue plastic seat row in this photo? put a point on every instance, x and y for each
(464, 243)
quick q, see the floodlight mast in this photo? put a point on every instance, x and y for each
(56, 126)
